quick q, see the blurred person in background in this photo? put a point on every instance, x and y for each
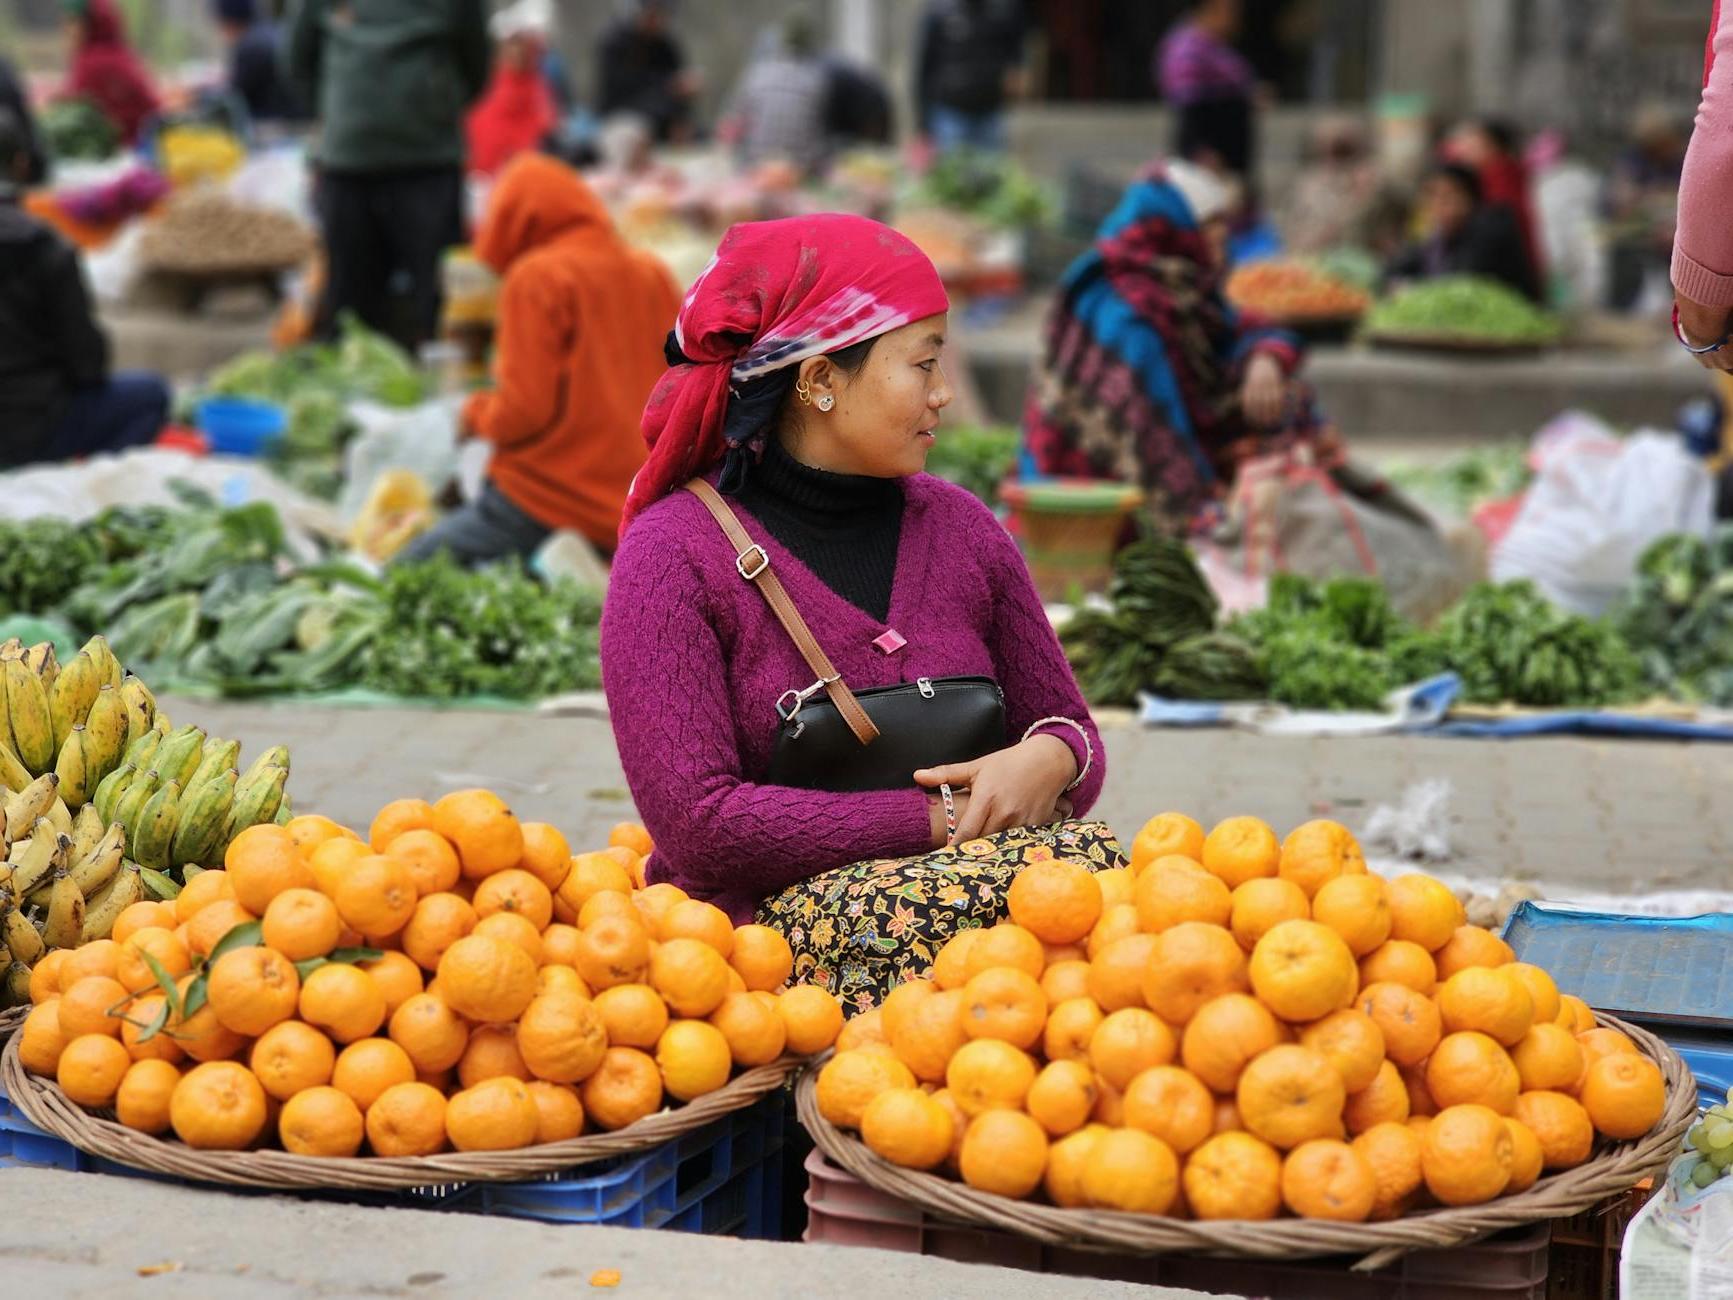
(1567, 206)
(968, 67)
(1462, 234)
(1148, 375)
(1642, 205)
(1211, 87)
(255, 69)
(857, 107)
(582, 320)
(1493, 150)
(105, 71)
(1335, 198)
(641, 69)
(58, 397)
(14, 100)
(390, 83)
(519, 110)
(779, 109)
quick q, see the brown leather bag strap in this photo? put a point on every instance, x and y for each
(753, 562)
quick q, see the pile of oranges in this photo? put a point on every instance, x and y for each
(1236, 1027)
(457, 979)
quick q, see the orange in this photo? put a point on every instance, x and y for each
(1224, 1035)
(494, 1115)
(491, 1053)
(1526, 1160)
(1400, 961)
(908, 1128)
(407, 1119)
(928, 1035)
(1165, 835)
(1352, 1042)
(142, 1100)
(1563, 1128)
(169, 953)
(1006, 944)
(376, 895)
(1328, 1179)
(652, 902)
(90, 1069)
(200, 891)
(562, 1038)
(141, 916)
(1548, 1057)
(1623, 1094)
(626, 1087)
(1116, 923)
(200, 1035)
(1234, 1176)
(630, 835)
(900, 1003)
(251, 989)
(365, 1069)
(951, 966)
(218, 1106)
(1004, 1003)
(988, 1074)
(213, 923)
(99, 958)
(515, 930)
(1190, 964)
(486, 979)
(633, 1015)
(1472, 945)
(515, 890)
(1128, 1042)
(762, 956)
(432, 1033)
(290, 1058)
(754, 1032)
(1004, 1152)
(811, 1015)
(561, 979)
(560, 941)
(595, 873)
(1303, 971)
(432, 861)
(439, 920)
(40, 1041)
(1541, 990)
(398, 818)
(1357, 908)
(343, 1002)
(1064, 980)
(1582, 1019)
(92, 1005)
(1596, 1043)
(613, 950)
(45, 974)
(321, 1121)
(1383, 1101)
(692, 977)
(1408, 1020)
(865, 1029)
(1420, 1102)
(1171, 1104)
(1466, 1155)
(547, 856)
(1116, 973)
(1116, 885)
(559, 1113)
(1070, 1026)
(1066, 1159)
(1057, 902)
(302, 923)
(1318, 852)
(1062, 1097)
(483, 830)
(1471, 1067)
(1488, 1000)
(1289, 1095)
(1240, 849)
(1262, 904)
(1424, 911)
(1392, 1152)
(263, 861)
(398, 978)
(310, 830)
(329, 862)
(849, 1080)
(1174, 890)
(1133, 1171)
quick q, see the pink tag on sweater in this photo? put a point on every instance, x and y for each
(891, 642)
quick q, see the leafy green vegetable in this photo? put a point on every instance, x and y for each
(1509, 643)
(1466, 307)
(979, 459)
(77, 130)
(990, 186)
(1678, 617)
(1467, 480)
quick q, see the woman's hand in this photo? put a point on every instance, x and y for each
(1702, 326)
(1020, 786)
(1265, 391)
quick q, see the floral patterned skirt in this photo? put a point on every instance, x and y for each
(861, 930)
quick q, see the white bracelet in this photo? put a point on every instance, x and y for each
(1088, 745)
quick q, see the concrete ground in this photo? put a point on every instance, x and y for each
(77, 1235)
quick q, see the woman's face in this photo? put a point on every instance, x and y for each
(885, 417)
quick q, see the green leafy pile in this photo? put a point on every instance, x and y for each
(1465, 307)
(1509, 643)
(1678, 617)
(43, 560)
(75, 130)
(978, 459)
(989, 186)
(1462, 483)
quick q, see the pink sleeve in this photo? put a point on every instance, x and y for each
(668, 696)
(1703, 250)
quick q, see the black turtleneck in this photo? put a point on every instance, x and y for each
(844, 527)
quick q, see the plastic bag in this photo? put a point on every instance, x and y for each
(1597, 503)
(419, 439)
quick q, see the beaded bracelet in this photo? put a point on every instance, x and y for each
(950, 799)
(1088, 745)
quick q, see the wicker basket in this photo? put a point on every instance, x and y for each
(10, 1020)
(44, 1105)
(1613, 1170)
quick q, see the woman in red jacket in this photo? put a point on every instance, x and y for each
(1703, 248)
(105, 70)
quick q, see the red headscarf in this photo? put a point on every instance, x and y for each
(106, 72)
(776, 293)
(514, 117)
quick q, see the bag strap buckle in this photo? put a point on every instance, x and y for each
(788, 707)
(757, 571)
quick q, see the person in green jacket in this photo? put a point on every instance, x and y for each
(390, 82)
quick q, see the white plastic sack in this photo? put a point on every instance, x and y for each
(1597, 503)
(421, 439)
(276, 179)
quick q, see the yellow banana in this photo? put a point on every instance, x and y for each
(5, 881)
(103, 908)
(60, 817)
(40, 660)
(11, 649)
(160, 724)
(105, 732)
(15, 986)
(109, 669)
(72, 694)
(69, 767)
(42, 855)
(32, 802)
(65, 913)
(87, 831)
(97, 867)
(27, 705)
(22, 938)
(14, 775)
(134, 691)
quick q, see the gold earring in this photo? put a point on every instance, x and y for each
(803, 391)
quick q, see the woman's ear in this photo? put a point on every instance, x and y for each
(820, 376)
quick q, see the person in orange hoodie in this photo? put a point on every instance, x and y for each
(582, 320)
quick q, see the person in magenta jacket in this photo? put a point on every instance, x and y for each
(807, 384)
(1703, 247)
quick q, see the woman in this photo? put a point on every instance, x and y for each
(1149, 377)
(105, 70)
(806, 383)
(1703, 251)
(1462, 235)
(518, 112)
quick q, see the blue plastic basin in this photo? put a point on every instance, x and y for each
(236, 426)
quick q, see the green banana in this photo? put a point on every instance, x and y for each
(22, 939)
(75, 779)
(72, 694)
(65, 913)
(141, 751)
(276, 756)
(204, 818)
(286, 813)
(96, 868)
(103, 908)
(87, 829)
(256, 800)
(160, 724)
(128, 806)
(156, 827)
(219, 757)
(105, 794)
(108, 667)
(40, 660)
(15, 986)
(32, 802)
(179, 755)
(27, 706)
(13, 774)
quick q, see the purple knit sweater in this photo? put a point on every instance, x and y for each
(693, 662)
